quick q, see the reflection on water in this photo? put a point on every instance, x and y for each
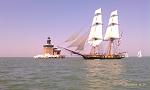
(74, 74)
(104, 74)
(108, 74)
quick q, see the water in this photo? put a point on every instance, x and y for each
(74, 74)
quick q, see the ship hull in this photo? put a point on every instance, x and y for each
(98, 56)
(102, 57)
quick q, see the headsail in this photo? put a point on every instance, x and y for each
(112, 29)
(95, 36)
(82, 42)
(79, 42)
(75, 42)
(72, 37)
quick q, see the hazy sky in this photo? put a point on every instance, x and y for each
(26, 24)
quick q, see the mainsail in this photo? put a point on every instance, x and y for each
(95, 36)
(112, 31)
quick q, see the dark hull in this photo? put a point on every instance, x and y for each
(102, 57)
(98, 56)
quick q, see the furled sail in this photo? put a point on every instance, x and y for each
(95, 36)
(112, 29)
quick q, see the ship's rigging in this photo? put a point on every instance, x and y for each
(95, 36)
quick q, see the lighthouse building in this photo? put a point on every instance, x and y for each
(48, 48)
(49, 51)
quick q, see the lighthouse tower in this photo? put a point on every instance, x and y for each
(48, 47)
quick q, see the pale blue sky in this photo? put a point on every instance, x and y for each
(25, 24)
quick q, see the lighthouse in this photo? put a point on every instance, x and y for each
(50, 51)
(48, 48)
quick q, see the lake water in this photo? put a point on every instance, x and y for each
(74, 74)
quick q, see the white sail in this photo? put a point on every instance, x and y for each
(95, 36)
(112, 29)
(139, 54)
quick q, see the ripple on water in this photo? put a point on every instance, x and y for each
(74, 74)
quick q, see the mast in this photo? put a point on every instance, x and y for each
(112, 32)
(95, 36)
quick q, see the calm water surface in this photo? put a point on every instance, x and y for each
(74, 74)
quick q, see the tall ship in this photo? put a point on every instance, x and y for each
(95, 39)
(50, 51)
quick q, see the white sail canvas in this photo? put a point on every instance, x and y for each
(112, 29)
(95, 36)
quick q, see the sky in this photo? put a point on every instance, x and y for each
(26, 24)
